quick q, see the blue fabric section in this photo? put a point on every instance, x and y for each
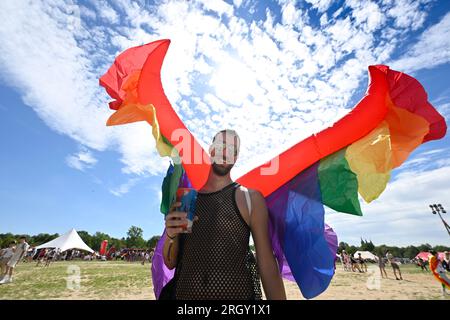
(305, 246)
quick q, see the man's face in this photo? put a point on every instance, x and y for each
(224, 152)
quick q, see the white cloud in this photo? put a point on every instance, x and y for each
(59, 80)
(406, 13)
(431, 49)
(218, 6)
(81, 160)
(124, 188)
(106, 11)
(288, 78)
(367, 14)
(320, 5)
(237, 3)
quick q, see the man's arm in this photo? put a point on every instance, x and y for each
(268, 267)
(174, 220)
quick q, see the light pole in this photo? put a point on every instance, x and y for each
(438, 208)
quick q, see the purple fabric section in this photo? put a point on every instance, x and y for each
(276, 204)
(332, 240)
(160, 273)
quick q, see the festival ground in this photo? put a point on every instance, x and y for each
(123, 280)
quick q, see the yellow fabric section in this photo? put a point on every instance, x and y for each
(142, 112)
(370, 158)
(388, 146)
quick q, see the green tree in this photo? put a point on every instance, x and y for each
(343, 246)
(97, 239)
(151, 243)
(6, 239)
(86, 237)
(42, 238)
(410, 252)
(135, 238)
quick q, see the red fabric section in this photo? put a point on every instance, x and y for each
(366, 116)
(125, 64)
(193, 156)
(407, 93)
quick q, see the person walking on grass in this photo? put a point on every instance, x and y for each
(5, 256)
(21, 250)
(439, 272)
(362, 263)
(395, 266)
(354, 264)
(382, 266)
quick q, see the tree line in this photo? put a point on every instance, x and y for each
(401, 252)
(134, 239)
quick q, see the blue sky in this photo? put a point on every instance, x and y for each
(302, 66)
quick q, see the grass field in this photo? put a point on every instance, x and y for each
(123, 280)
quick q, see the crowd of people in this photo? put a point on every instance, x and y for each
(133, 255)
(22, 252)
(353, 264)
(359, 264)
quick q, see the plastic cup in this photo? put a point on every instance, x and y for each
(187, 197)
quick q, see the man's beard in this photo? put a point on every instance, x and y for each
(221, 170)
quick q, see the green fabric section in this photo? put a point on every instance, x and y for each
(171, 180)
(338, 184)
(170, 186)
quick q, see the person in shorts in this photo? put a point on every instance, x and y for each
(362, 263)
(382, 266)
(395, 266)
(5, 256)
(19, 253)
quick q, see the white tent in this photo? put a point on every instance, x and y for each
(69, 240)
(366, 255)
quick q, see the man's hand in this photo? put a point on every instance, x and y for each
(175, 220)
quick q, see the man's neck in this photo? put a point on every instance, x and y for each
(216, 182)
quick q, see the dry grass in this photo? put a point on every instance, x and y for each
(122, 280)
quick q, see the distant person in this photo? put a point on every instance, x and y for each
(394, 265)
(446, 261)
(5, 256)
(354, 264)
(50, 256)
(41, 256)
(382, 266)
(31, 254)
(152, 252)
(439, 272)
(362, 263)
(422, 264)
(146, 257)
(343, 260)
(21, 250)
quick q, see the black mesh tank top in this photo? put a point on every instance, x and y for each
(215, 260)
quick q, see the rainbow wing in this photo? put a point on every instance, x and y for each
(355, 155)
(300, 237)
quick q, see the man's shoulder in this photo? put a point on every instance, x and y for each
(251, 191)
(255, 194)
